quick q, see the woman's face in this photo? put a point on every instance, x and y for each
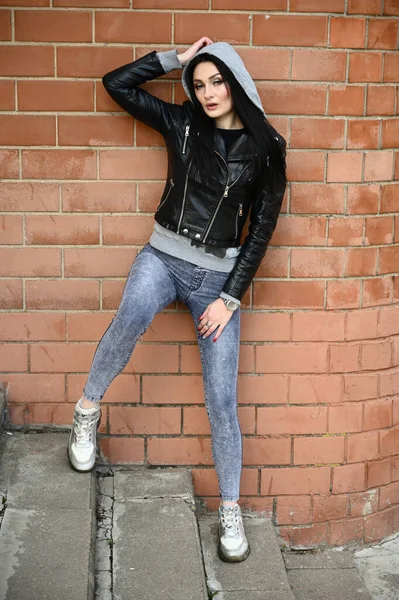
(212, 91)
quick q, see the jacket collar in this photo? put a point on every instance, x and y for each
(240, 150)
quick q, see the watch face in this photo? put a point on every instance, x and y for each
(231, 305)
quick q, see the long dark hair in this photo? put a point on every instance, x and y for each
(268, 158)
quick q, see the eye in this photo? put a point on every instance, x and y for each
(198, 86)
(217, 81)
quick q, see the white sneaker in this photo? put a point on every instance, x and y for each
(233, 544)
(82, 444)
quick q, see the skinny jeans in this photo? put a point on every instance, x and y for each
(155, 280)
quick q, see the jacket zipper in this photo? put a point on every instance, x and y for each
(171, 185)
(225, 194)
(185, 139)
(239, 214)
(184, 197)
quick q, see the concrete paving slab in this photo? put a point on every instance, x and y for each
(262, 572)
(35, 472)
(319, 584)
(46, 555)
(324, 559)
(156, 551)
(153, 483)
(379, 567)
(250, 595)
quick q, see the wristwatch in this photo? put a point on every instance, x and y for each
(230, 304)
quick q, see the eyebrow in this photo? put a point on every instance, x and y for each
(211, 77)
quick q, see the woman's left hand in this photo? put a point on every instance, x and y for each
(216, 316)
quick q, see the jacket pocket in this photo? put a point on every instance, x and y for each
(171, 185)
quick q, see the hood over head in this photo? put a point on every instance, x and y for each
(226, 53)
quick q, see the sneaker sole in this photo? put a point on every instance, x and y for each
(231, 557)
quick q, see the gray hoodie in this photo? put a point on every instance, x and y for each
(225, 52)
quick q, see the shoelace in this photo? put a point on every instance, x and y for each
(230, 520)
(83, 428)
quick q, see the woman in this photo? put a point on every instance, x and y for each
(225, 162)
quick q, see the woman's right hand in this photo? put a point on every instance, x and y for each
(188, 54)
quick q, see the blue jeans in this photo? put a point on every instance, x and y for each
(155, 280)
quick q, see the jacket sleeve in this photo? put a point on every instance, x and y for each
(123, 83)
(265, 210)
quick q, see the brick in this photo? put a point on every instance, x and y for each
(389, 495)
(27, 130)
(363, 134)
(262, 389)
(377, 291)
(381, 100)
(315, 6)
(95, 131)
(376, 355)
(371, 7)
(254, 326)
(5, 25)
(391, 7)
(343, 294)
(288, 294)
(301, 231)
(390, 133)
(291, 419)
(275, 264)
(146, 136)
(26, 61)
(328, 508)
(362, 199)
(154, 359)
(61, 358)
(390, 197)
(308, 480)
(378, 472)
(83, 327)
(189, 4)
(10, 229)
(316, 198)
(13, 357)
(293, 510)
(28, 197)
(362, 446)
(235, 27)
(389, 259)
(344, 166)
(137, 420)
(94, 3)
(360, 387)
(171, 327)
(383, 33)
(41, 414)
(266, 63)
(30, 262)
(62, 295)
(98, 262)
(29, 388)
(288, 99)
(28, 2)
(345, 231)
(7, 96)
(179, 451)
(345, 418)
(317, 133)
(377, 414)
(318, 450)
(55, 95)
(196, 421)
(171, 389)
(252, 4)
(317, 263)
(149, 196)
(132, 164)
(318, 65)
(347, 32)
(318, 327)
(389, 321)
(315, 389)
(286, 30)
(361, 325)
(35, 326)
(378, 166)
(58, 164)
(52, 26)
(361, 261)
(11, 293)
(389, 440)
(363, 503)
(127, 230)
(56, 229)
(344, 358)
(306, 166)
(112, 293)
(346, 100)
(133, 27)
(90, 62)
(206, 482)
(122, 450)
(343, 532)
(365, 67)
(99, 197)
(305, 536)
(378, 526)
(124, 388)
(272, 451)
(349, 478)
(391, 68)
(291, 358)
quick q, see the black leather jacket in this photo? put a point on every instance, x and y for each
(211, 215)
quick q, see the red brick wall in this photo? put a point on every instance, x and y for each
(319, 370)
